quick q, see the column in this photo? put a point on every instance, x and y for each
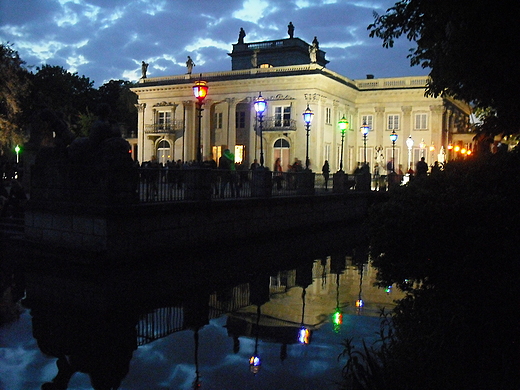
(231, 128)
(140, 131)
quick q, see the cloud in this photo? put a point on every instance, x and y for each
(108, 39)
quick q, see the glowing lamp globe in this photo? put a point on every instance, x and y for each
(200, 90)
(307, 115)
(260, 104)
(343, 124)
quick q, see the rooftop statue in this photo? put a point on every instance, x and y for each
(144, 68)
(290, 30)
(241, 36)
(190, 64)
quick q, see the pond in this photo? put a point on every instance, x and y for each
(267, 314)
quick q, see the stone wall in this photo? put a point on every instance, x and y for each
(121, 232)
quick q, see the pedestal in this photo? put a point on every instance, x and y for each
(261, 183)
(198, 184)
(305, 183)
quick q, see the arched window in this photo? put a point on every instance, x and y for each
(281, 143)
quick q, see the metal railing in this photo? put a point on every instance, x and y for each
(116, 185)
(166, 184)
(276, 124)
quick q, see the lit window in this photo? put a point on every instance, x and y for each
(239, 154)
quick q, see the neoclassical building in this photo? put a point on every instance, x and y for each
(292, 75)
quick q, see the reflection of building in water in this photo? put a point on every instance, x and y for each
(332, 286)
(110, 319)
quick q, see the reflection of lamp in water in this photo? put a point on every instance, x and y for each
(304, 279)
(259, 294)
(359, 302)
(337, 317)
(304, 334)
(254, 361)
(337, 266)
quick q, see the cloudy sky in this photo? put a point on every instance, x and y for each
(108, 39)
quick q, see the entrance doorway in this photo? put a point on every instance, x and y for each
(163, 152)
(282, 150)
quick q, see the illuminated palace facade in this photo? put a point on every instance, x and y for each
(291, 78)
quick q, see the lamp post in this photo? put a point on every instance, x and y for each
(343, 125)
(422, 145)
(364, 129)
(260, 106)
(409, 144)
(200, 90)
(307, 118)
(17, 151)
(393, 138)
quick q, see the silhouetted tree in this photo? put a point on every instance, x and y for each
(467, 46)
(57, 89)
(117, 94)
(449, 241)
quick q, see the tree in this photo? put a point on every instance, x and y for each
(13, 88)
(467, 46)
(117, 94)
(449, 240)
(56, 89)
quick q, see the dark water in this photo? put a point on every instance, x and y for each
(195, 321)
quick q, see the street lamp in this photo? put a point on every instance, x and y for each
(307, 118)
(409, 144)
(200, 90)
(422, 145)
(260, 106)
(343, 126)
(393, 138)
(17, 151)
(364, 129)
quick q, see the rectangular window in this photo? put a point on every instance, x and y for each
(218, 120)
(328, 116)
(326, 151)
(241, 119)
(421, 121)
(164, 120)
(282, 116)
(366, 119)
(393, 122)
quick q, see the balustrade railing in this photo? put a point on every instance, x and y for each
(276, 124)
(106, 185)
(160, 128)
(165, 184)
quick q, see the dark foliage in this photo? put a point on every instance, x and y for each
(450, 241)
(467, 46)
